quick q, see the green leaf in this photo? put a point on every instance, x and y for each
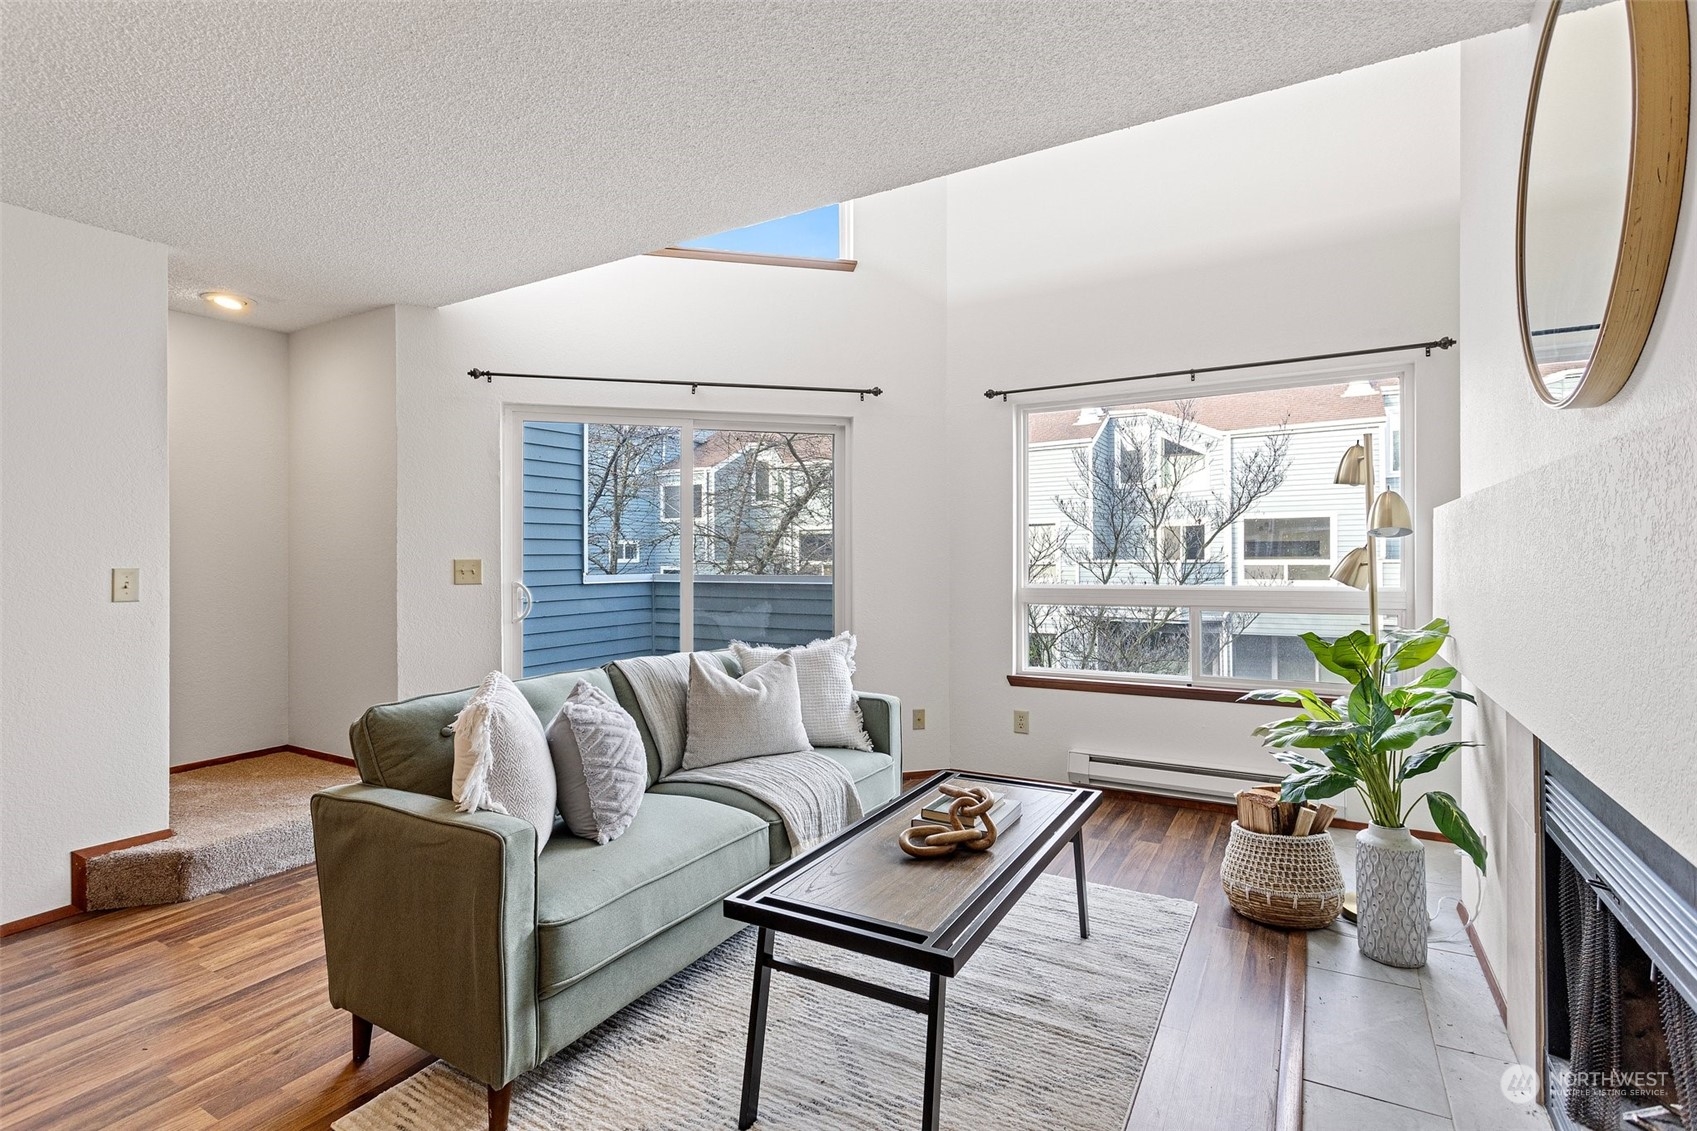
(1368, 708)
(1272, 695)
(1354, 655)
(1317, 706)
(1323, 652)
(1417, 651)
(1296, 762)
(1429, 759)
(1453, 823)
(1315, 785)
(1433, 677)
(1411, 729)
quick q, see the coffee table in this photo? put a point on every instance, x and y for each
(860, 892)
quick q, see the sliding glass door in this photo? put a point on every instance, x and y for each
(636, 536)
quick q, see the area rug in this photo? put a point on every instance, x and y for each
(1045, 1032)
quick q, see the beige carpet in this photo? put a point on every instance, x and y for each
(233, 824)
(1045, 1032)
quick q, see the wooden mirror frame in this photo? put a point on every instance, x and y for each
(1661, 116)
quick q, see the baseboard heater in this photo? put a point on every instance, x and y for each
(1175, 779)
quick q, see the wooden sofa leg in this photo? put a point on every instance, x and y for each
(500, 1104)
(362, 1039)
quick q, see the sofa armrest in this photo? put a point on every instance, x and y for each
(882, 715)
(430, 924)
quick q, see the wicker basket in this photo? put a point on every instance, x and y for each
(1283, 881)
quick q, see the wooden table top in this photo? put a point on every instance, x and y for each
(859, 890)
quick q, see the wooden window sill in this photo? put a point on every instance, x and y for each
(1123, 687)
(763, 260)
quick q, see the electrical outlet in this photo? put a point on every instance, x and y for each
(1022, 722)
(919, 718)
(468, 571)
(126, 585)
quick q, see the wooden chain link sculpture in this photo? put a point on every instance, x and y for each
(934, 839)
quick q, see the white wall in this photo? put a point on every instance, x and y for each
(1317, 218)
(84, 692)
(229, 447)
(342, 548)
(653, 317)
(1565, 563)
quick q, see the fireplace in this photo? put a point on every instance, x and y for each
(1620, 964)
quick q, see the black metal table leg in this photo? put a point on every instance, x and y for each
(932, 1116)
(1078, 872)
(756, 1031)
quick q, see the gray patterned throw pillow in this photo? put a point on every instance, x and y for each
(600, 763)
(730, 719)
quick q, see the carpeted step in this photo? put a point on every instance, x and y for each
(232, 824)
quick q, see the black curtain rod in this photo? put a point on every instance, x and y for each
(1440, 343)
(693, 386)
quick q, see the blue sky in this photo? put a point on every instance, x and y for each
(812, 234)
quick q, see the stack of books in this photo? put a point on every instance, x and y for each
(935, 810)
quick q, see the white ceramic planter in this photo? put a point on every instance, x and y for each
(1390, 892)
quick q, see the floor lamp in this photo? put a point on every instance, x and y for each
(1387, 517)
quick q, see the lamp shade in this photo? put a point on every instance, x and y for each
(1389, 517)
(1352, 469)
(1354, 571)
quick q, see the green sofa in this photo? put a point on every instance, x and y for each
(447, 928)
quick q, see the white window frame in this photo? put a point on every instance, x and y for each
(516, 415)
(1198, 599)
(635, 551)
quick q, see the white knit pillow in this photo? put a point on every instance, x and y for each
(730, 719)
(824, 671)
(501, 760)
(600, 763)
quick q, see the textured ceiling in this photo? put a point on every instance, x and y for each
(329, 157)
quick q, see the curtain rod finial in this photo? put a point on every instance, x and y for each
(474, 374)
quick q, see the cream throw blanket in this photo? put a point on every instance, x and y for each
(812, 794)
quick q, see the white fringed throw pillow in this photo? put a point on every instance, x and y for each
(824, 671)
(501, 760)
(730, 719)
(600, 763)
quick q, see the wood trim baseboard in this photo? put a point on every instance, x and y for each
(339, 759)
(1484, 963)
(1122, 687)
(30, 922)
(1287, 1112)
(81, 856)
(762, 260)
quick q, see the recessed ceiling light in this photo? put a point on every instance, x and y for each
(224, 300)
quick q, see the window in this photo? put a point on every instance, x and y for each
(612, 568)
(818, 237)
(1183, 541)
(1192, 540)
(1287, 538)
(669, 505)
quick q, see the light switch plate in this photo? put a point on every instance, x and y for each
(126, 585)
(468, 571)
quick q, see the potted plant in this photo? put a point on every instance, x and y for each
(1366, 741)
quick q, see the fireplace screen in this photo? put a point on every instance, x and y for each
(1623, 1042)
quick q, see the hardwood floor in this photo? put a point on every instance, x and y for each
(214, 1014)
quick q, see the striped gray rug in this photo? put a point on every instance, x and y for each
(1045, 1031)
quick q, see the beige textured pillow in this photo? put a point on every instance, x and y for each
(824, 672)
(730, 718)
(501, 760)
(599, 762)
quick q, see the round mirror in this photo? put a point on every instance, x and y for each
(1601, 172)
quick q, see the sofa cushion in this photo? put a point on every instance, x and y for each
(874, 777)
(596, 902)
(403, 745)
